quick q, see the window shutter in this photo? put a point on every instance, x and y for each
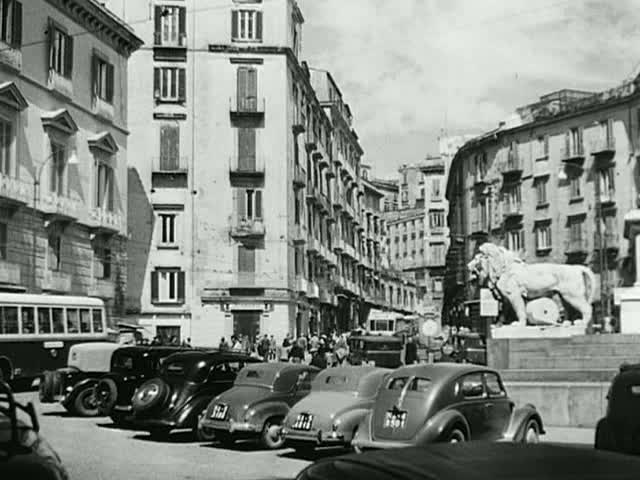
(242, 203)
(174, 146)
(94, 74)
(110, 80)
(182, 24)
(182, 85)
(68, 61)
(164, 151)
(181, 287)
(50, 37)
(156, 83)
(259, 26)
(258, 200)
(610, 131)
(242, 88)
(17, 24)
(252, 89)
(567, 143)
(246, 149)
(545, 142)
(154, 286)
(580, 148)
(246, 259)
(158, 25)
(234, 24)
(110, 189)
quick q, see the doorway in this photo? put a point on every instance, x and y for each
(246, 324)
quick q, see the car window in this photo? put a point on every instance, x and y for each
(397, 383)
(304, 381)
(336, 380)
(419, 385)
(494, 386)
(124, 362)
(174, 368)
(472, 386)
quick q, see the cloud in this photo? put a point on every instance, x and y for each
(410, 68)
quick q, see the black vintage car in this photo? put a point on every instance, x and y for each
(375, 350)
(130, 368)
(619, 430)
(187, 382)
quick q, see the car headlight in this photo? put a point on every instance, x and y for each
(250, 413)
(69, 389)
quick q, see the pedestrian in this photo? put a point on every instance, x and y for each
(272, 348)
(286, 343)
(341, 350)
(318, 358)
(264, 347)
(246, 343)
(296, 354)
(411, 352)
(236, 345)
(223, 346)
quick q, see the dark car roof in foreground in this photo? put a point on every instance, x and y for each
(206, 355)
(443, 370)
(478, 460)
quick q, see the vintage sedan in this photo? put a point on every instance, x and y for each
(375, 350)
(24, 453)
(179, 395)
(339, 400)
(73, 386)
(130, 368)
(619, 429)
(258, 402)
(445, 402)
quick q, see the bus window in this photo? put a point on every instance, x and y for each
(28, 320)
(58, 320)
(44, 320)
(97, 321)
(73, 322)
(85, 320)
(8, 320)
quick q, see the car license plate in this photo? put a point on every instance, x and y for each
(303, 422)
(219, 412)
(395, 419)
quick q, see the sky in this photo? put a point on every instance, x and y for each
(413, 69)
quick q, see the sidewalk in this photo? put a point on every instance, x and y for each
(569, 435)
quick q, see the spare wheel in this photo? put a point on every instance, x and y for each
(151, 394)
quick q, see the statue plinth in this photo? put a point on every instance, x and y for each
(629, 297)
(517, 330)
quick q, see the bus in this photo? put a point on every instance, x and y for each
(36, 331)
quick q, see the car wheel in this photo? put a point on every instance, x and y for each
(456, 436)
(271, 437)
(604, 436)
(224, 438)
(150, 395)
(532, 432)
(106, 395)
(85, 404)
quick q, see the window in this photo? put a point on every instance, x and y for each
(85, 320)
(103, 77)
(515, 240)
(3, 241)
(436, 189)
(96, 318)
(167, 228)
(247, 151)
(250, 204)
(170, 26)
(167, 286)
(28, 320)
(246, 25)
(405, 198)
(494, 385)
(58, 168)
(543, 237)
(512, 198)
(9, 320)
(482, 214)
(480, 166)
(575, 230)
(54, 258)
(404, 177)
(6, 141)
(436, 219)
(73, 320)
(541, 191)
(105, 184)
(419, 385)
(103, 262)
(437, 285)
(575, 187)
(44, 320)
(170, 84)
(543, 146)
(472, 386)
(247, 89)
(574, 145)
(607, 185)
(11, 26)
(247, 260)
(60, 50)
(169, 148)
(438, 253)
(57, 316)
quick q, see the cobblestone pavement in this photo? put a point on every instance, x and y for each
(92, 449)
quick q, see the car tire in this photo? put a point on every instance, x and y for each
(150, 395)
(531, 432)
(604, 436)
(224, 438)
(456, 435)
(84, 403)
(269, 438)
(106, 395)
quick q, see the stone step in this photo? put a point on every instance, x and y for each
(610, 350)
(572, 363)
(558, 375)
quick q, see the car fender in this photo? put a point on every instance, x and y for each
(519, 418)
(266, 410)
(363, 430)
(350, 421)
(77, 387)
(439, 424)
(189, 413)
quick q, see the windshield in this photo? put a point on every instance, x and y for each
(123, 362)
(256, 377)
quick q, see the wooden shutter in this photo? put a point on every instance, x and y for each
(182, 24)
(17, 24)
(164, 147)
(610, 132)
(580, 148)
(242, 88)
(234, 24)
(95, 64)
(258, 200)
(247, 149)
(154, 286)
(50, 36)
(180, 287)
(545, 143)
(259, 26)
(110, 188)
(174, 146)
(242, 203)
(110, 81)
(156, 83)
(252, 90)
(182, 85)
(158, 25)
(567, 144)
(68, 60)
(246, 259)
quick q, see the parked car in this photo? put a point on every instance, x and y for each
(258, 403)
(24, 453)
(445, 402)
(375, 350)
(477, 461)
(186, 384)
(465, 348)
(339, 400)
(619, 429)
(73, 386)
(130, 368)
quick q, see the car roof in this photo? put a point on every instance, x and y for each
(478, 460)
(376, 338)
(280, 367)
(140, 349)
(440, 371)
(207, 356)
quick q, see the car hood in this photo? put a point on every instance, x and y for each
(324, 406)
(237, 398)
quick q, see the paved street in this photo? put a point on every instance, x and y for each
(91, 448)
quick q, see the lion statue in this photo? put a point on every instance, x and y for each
(517, 282)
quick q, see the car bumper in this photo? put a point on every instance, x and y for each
(380, 444)
(231, 426)
(315, 437)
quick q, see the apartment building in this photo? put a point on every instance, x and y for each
(245, 181)
(552, 184)
(63, 149)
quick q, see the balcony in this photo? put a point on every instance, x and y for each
(301, 284)
(479, 227)
(606, 240)
(311, 143)
(169, 172)
(58, 208)
(299, 235)
(299, 177)
(579, 246)
(349, 250)
(10, 273)
(514, 165)
(313, 245)
(246, 107)
(349, 210)
(169, 46)
(512, 210)
(248, 228)
(246, 171)
(312, 194)
(325, 296)
(603, 145)
(323, 201)
(14, 192)
(607, 198)
(338, 245)
(55, 281)
(541, 168)
(103, 221)
(480, 179)
(299, 122)
(102, 288)
(338, 159)
(572, 154)
(313, 290)
(434, 262)
(332, 259)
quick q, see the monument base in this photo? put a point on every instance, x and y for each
(629, 299)
(529, 331)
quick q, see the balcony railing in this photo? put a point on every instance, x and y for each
(301, 284)
(603, 144)
(541, 168)
(512, 209)
(480, 178)
(514, 165)
(338, 245)
(313, 245)
(299, 234)
(106, 221)
(607, 197)
(313, 290)
(573, 153)
(312, 194)
(14, 191)
(574, 246)
(243, 107)
(248, 228)
(246, 168)
(299, 122)
(178, 40)
(607, 240)
(60, 208)
(169, 172)
(480, 227)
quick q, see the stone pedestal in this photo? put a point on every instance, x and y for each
(629, 297)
